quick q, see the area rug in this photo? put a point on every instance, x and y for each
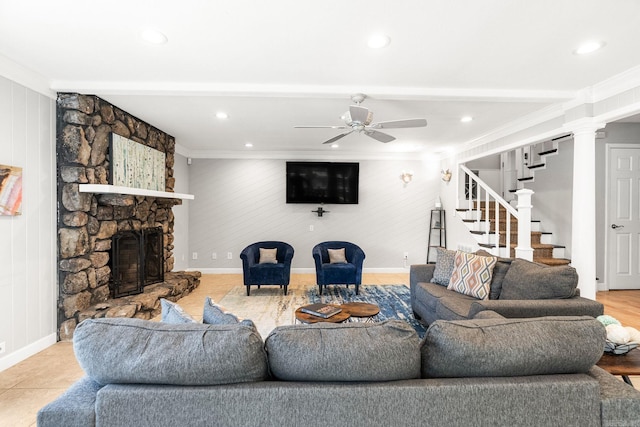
(267, 307)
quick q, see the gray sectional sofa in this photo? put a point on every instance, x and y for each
(481, 372)
(518, 289)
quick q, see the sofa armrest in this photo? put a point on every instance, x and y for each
(576, 306)
(76, 407)
(619, 403)
(419, 273)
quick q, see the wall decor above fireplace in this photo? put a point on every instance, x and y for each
(136, 165)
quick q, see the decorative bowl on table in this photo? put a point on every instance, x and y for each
(611, 347)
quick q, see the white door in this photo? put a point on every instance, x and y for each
(623, 228)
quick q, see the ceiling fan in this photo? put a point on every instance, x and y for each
(358, 119)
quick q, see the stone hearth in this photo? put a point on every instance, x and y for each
(87, 222)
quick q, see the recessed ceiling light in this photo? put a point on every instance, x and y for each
(588, 47)
(248, 145)
(466, 119)
(222, 115)
(378, 41)
(334, 146)
(154, 36)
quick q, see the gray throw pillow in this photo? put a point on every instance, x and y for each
(499, 271)
(499, 347)
(337, 256)
(530, 280)
(384, 351)
(173, 313)
(444, 266)
(136, 351)
(214, 314)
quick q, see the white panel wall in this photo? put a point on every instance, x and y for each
(238, 202)
(181, 214)
(28, 288)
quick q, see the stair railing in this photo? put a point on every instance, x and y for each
(522, 215)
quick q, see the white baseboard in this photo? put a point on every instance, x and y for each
(23, 353)
(400, 270)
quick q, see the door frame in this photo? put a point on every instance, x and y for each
(608, 148)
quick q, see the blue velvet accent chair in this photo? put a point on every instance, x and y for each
(338, 273)
(255, 273)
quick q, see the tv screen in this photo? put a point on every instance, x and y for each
(322, 182)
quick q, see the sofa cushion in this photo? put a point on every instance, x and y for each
(430, 293)
(355, 351)
(124, 350)
(444, 266)
(455, 307)
(511, 347)
(173, 313)
(529, 280)
(472, 274)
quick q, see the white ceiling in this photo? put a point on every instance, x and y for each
(275, 64)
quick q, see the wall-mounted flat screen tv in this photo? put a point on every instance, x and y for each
(322, 182)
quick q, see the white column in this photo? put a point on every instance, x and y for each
(524, 250)
(583, 215)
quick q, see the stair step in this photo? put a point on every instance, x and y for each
(513, 191)
(539, 165)
(544, 153)
(552, 261)
(528, 178)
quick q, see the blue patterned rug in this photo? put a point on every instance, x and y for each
(394, 301)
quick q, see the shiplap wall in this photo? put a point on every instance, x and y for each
(28, 288)
(238, 202)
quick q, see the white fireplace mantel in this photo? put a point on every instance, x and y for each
(116, 189)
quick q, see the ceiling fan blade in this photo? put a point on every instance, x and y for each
(320, 127)
(382, 137)
(360, 114)
(335, 138)
(395, 124)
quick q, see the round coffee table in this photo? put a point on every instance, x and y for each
(310, 318)
(361, 309)
(621, 364)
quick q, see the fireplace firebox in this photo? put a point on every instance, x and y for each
(137, 260)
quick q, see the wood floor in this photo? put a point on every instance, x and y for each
(36, 381)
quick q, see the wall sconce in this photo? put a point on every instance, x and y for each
(446, 175)
(406, 177)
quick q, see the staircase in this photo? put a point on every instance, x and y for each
(515, 235)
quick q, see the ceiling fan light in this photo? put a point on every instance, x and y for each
(378, 41)
(335, 145)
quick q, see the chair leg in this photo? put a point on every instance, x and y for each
(258, 286)
(248, 289)
(285, 289)
(319, 289)
(357, 288)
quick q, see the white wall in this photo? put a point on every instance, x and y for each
(28, 289)
(238, 202)
(181, 215)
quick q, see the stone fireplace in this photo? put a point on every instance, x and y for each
(88, 222)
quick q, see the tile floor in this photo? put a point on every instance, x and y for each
(36, 381)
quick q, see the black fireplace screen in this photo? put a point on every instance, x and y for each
(137, 260)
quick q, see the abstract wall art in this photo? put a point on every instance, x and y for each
(10, 190)
(136, 165)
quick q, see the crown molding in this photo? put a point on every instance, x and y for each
(627, 80)
(25, 77)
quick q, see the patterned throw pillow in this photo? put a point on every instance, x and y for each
(337, 256)
(173, 313)
(268, 256)
(444, 266)
(472, 274)
(214, 314)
